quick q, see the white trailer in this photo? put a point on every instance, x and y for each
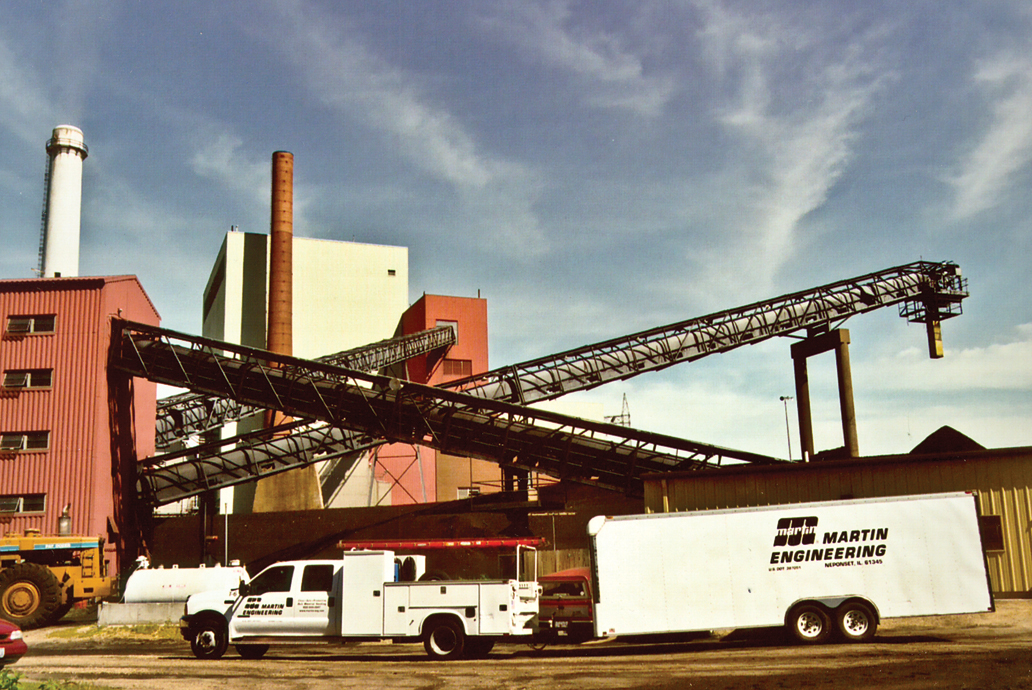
(816, 568)
(359, 597)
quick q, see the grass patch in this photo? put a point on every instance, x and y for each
(12, 680)
(165, 631)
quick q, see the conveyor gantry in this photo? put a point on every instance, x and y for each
(926, 292)
(397, 411)
(185, 414)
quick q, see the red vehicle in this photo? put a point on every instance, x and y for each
(12, 646)
(565, 609)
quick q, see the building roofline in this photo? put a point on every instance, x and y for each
(70, 283)
(864, 462)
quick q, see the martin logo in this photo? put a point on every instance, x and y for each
(796, 531)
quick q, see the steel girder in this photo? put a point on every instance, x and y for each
(175, 476)
(397, 411)
(182, 415)
(924, 290)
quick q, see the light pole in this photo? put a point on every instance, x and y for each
(788, 431)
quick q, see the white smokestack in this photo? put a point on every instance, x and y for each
(59, 254)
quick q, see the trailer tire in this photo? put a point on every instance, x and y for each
(30, 595)
(809, 624)
(209, 638)
(444, 638)
(251, 651)
(856, 621)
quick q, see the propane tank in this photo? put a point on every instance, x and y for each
(64, 523)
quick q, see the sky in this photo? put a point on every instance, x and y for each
(590, 168)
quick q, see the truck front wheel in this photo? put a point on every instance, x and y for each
(209, 639)
(809, 624)
(444, 639)
(856, 621)
(30, 595)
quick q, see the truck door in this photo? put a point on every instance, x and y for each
(268, 604)
(316, 610)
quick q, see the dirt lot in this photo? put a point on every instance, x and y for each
(985, 651)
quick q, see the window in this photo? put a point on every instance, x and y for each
(391, 272)
(991, 529)
(24, 440)
(458, 367)
(274, 579)
(23, 503)
(317, 578)
(25, 325)
(28, 378)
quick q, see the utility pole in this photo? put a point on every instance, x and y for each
(788, 430)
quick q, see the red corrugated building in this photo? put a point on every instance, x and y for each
(421, 475)
(68, 433)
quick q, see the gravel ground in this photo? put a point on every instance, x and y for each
(977, 651)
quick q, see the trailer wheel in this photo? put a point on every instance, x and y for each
(444, 639)
(209, 639)
(30, 595)
(252, 651)
(856, 621)
(809, 624)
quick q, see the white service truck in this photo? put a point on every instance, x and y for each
(360, 597)
(819, 569)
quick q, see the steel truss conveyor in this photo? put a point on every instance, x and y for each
(926, 292)
(398, 411)
(186, 414)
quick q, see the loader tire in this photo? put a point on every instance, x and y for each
(30, 595)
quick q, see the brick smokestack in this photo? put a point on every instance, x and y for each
(297, 489)
(280, 338)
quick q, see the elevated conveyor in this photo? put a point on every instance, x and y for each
(397, 411)
(926, 292)
(186, 414)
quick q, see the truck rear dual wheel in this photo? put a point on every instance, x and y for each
(444, 638)
(30, 595)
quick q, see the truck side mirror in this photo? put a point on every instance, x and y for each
(244, 589)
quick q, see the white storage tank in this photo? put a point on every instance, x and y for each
(150, 585)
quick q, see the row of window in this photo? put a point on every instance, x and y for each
(29, 324)
(23, 503)
(24, 440)
(19, 379)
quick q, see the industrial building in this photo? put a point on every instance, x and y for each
(70, 435)
(77, 410)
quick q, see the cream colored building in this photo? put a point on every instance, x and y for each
(346, 294)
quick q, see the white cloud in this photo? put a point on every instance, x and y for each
(797, 130)
(1002, 366)
(24, 103)
(498, 195)
(988, 170)
(611, 76)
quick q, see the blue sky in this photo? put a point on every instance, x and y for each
(591, 168)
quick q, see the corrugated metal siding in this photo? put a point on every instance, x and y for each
(77, 469)
(69, 410)
(1001, 478)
